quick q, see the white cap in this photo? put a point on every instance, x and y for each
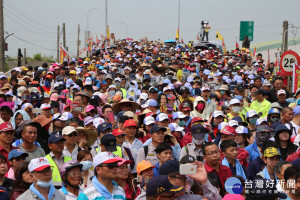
(251, 113)
(85, 62)
(204, 88)
(68, 130)
(233, 123)
(149, 120)
(260, 121)
(144, 96)
(177, 127)
(161, 117)
(65, 116)
(218, 113)
(98, 121)
(279, 92)
(105, 157)
(45, 106)
(88, 81)
(38, 164)
(56, 116)
(234, 101)
(127, 68)
(167, 88)
(222, 125)
(241, 130)
(118, 79)
(180, 115)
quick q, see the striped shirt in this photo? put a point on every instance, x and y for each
(134, 148)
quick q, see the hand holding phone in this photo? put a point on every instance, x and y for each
(187, 169)
(111, 117)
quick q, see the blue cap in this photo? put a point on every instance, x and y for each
(281, 127)
(16, 153)
(238, 119)
(55, 138)
(296, 110)
(273, 111)
(152, 102)
(167, 81)
(156, 128)
(161, 184)
(171, 166)
(103, 127)
(198, 131)
(238, 97)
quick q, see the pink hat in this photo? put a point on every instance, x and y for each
(89, 108)
(123, 161)
(233, 197)
(104, 98)
(51, 69)
(54, 97)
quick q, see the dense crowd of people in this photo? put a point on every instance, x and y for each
(147, 120)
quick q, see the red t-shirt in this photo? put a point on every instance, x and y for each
(224, 172)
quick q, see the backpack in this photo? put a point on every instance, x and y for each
(292, 128)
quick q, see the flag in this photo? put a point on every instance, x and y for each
(181, 41)
(268, 63)
(177, 34)
(108, 32)
(223, 46)
(296, 77)
(237, 44)
(63, 55)
(97, 40)
(219, 36)
(254, 51)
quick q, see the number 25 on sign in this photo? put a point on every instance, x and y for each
(287, 61)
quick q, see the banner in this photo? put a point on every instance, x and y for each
(296, 77)
(108, 33)
(254, 51)
(177, 34)
(63, 55)
(237, 45)
(219, 36)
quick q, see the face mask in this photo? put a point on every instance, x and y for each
(181, 123)
(274, 120)
(42, 183)
(234, 73)
(222, 92)
(52, 111)
(47, 84)
(253, 121)
(200, 107)
(198, 141)
(86, 165)
(236, 109)
(117, 84)
(112, 92)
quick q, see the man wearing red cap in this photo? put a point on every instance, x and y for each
(7, 133)
(42, 187)
(131, 142)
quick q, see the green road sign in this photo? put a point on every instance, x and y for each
(246, 28)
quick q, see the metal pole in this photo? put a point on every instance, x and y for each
(106, 24)
(64, 35)
(2, 42)
(25, 58)
(57, 43)
(285, 36)
(178, 20)
(78, 41)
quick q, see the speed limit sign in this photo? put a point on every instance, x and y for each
(288, 58)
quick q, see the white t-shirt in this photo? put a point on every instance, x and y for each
(295, 130)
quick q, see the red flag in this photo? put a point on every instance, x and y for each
(237, 44)
(254, 51)
(223, 46)
(181, 40)
(63, 55)
(97, 40)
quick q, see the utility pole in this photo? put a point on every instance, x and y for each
(64, 36)
(78, 41)
(58, 30)
(2, 42)
(20, 57)
(106, 24)
(178, 20)
(284, 45)
(25, 58)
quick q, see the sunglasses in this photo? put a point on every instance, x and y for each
(72, 134)
(19, 158)
(110, 165)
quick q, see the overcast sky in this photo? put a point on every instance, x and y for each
(35, 21)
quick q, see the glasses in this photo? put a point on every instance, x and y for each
(19, 158)
(75, 173)
(199, 122)
(110, 165)
(72, 134)
(169, 96)
(213, 153)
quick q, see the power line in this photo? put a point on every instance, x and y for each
(33, 44)
(20, 12)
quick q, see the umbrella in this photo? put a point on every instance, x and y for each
(200, 46)
(170, 41)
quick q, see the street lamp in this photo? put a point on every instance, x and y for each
(10, 34)
(87, 17)
(126, 28)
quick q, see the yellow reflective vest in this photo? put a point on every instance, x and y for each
(57, 181)
(117, 153)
